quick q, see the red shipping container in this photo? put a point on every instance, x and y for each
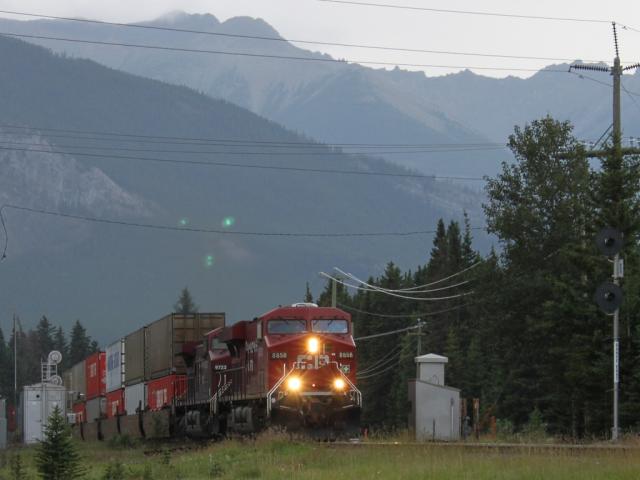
(161, 392)
(81, 412)
(96, 374)
(115, 403)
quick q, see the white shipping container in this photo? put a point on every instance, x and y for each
(115, 365)
(38, 404)
(135, 395)
(96, 408)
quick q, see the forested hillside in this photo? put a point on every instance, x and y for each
(82, 139)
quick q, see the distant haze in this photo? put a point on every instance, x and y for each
(315, 20)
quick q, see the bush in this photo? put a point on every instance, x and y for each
(114, 471)
(536, 428)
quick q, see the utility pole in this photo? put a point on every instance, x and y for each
(15, 363)
(419, 333)
(618, 154)
(334, 292)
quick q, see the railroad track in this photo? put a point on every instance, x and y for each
(499, 447)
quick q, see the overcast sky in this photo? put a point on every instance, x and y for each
(316, 20)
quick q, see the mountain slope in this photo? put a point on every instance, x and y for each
(115, 277)
(332, 102)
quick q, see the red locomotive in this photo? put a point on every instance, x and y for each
(293, 367)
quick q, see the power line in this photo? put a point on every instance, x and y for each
(392, 294)
(392, 332)
(239, 165)
(392, 353)
(324, 59)
(381, 371)
(468, 12)
(280, 39)
(384, 290)
(408, 315)
(186, 229)
(205, 141)
(265, 153)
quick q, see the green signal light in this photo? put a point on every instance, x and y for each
(183, 222)
(208, 261)
(228, 222)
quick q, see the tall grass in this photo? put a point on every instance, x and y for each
(277, 456)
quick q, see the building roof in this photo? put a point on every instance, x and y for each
(431, 358)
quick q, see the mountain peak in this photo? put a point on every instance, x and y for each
(249, 26)
(181, 19)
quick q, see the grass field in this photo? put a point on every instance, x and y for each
(280, 458)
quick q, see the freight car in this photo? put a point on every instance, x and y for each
(293, 367)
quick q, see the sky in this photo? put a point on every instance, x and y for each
(323, 21)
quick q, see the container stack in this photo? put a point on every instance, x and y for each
(144, 371)
(115, 378)
(96, 386)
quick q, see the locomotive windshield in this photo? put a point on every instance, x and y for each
(287, 326)
(330, 325)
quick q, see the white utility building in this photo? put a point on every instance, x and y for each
(435, 408)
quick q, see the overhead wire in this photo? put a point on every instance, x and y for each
(404, 316)
(323, 59)
(412, 292)
(243, 165)
(265, 153)
(384, 334)
(467, 12)
(206, 141)
(281, 39)
(187, 229)
(364, 377)
(381, 361)
(392, 294)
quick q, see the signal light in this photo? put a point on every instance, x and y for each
(313, 345)
(294, 384)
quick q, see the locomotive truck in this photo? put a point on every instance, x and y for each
(293, 367)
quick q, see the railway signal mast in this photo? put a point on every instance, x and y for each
(609, 295)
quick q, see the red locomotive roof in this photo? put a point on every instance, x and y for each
(305, 312)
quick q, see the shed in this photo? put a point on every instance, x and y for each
(435, 407)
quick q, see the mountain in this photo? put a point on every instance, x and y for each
(331, 102)
(340, 102)
(84, 139)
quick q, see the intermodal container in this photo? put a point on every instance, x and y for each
(115, 403)
(115, 366)
(164, 339)
(96, 375)
(77, 386)
(80, 410)
(135, 397)
(134, 357)
(96, 408)
(162, 392)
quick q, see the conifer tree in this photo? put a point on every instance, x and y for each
(79, 345)
(185, 304)
(308, 296)
(56, 456)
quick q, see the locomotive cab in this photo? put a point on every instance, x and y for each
(311, 358)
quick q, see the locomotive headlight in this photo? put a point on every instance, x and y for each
(294, 384)
(313, 345)
(339, 384)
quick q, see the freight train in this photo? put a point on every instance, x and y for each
(191, 375)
